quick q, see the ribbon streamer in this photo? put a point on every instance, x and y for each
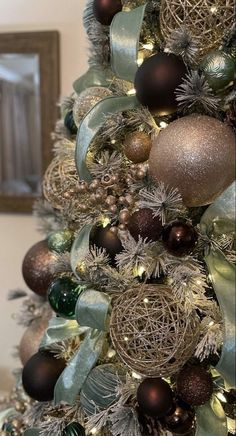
(211, 419)
(92, 123)
(124, 36)
(60, 329)
(92, 309)
(95, 76)
(80, 248)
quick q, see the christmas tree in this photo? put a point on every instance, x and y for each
(131, 311)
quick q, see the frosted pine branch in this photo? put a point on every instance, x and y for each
(182, 43)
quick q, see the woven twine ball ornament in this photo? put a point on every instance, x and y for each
(151, 332)
(207, 20)
(87, 99)
(60, 181)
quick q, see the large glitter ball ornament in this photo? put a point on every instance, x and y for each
(181, 420)
(143, 321)
(155, 397)
(63, 294)
(156, 81)
(219, 69)
(206, 20)
(31, 339)
(40, 375)
(87, 99)
(196, 155)
(144, 224)
(105, 10)
(36, 268)
(137, 147)
(74, 429)
(61, 240)
(104, 237)
(195, 385)
(100, 388)
(179, 238)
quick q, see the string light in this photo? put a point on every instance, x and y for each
(163, 124)
(131, 92)
(105, 221)
(146, 300)
(221, 397)
(94, 430)
(149, 46)
(135, 375)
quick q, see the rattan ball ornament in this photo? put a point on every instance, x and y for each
(86, 100)
(143, 321)
(207, 20)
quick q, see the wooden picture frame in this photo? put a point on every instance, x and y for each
(46, 45)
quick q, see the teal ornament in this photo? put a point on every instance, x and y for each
(219, 69)
(63, 295)
(100, 389)
(70, 123)
(61, 241)
(74, 429)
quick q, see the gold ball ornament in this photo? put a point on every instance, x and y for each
(150, 331)
(207, 20)
(196, 155)
(31, 339)
(86, 100)
(137, 146)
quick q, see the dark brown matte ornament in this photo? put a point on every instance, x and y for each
(181, 420)
(143, 223)
(179, 238)
(194, 385)
(155, 397)
(105, 10)
(104, 237)
(36, 268)
(137, 147)
(40, 375)
(156, 81)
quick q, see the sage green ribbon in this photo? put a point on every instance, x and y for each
(92, 123)
(60, 329)
(95, 76)
(211, 419)
(32, 432)
(124, 36)
(92, 309)
(80, 248)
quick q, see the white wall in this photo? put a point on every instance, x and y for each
(18, 232)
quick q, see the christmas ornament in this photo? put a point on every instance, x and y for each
(61, 241)
(70, 123)
(155, 397)
(36, 268)
(31, 339)
(40, 375)
(63, 295)
(179, 238)
(137, 146)
(74, 429)
(106, 238)
(195, 385)
(100, 389)
(143, 321)
(105, 10)
(231, 115)
(181, 420)
(143, 223)
(195, 154)
(156, 81)
(219, 69)
(198, 18)
(86, 100)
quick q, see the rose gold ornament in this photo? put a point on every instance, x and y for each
(31, 339)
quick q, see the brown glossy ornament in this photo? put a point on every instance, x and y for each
(104, 237)
(31, 339)
(143, 223)
(194, 385)
(179, 238)
(105, 10)
(40, 375)
(196, 155)
(137, 147)
(155, 397)
(181, 420)
(156, 81)
(36, 268)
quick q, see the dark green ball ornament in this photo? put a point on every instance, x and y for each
(219, 69)
(70, 123)
(61, 241)
(74, 429)
(63, 295)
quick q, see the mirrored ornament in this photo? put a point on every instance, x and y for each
(179, 238)
(155, 397)
(181, 420)
(86, 100)
(74, 429)
(105, 10)
(219, 68)
(61, 241)
(63, 294)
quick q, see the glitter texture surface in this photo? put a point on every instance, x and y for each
(86, 100)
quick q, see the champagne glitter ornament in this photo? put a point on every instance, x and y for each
(137, 146)
(86, 100)
(196, 155)
(31, 339)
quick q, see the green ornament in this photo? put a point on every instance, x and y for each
(70, 123)
(61, 241)
(219, 69)
(74, 429)
(63, 295)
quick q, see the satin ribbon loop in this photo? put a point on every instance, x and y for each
(92, 310)
(211, 419)
(60, 329)
(80, 249)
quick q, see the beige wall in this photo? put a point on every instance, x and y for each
(18, 232)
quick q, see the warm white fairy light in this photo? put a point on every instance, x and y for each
(94, 431)
(148, 46)
(221, 397)
(126, 338)
(146, 300)
(211, 324)
(135, 375)
(163, 125)
(105, 221)
(131, 92)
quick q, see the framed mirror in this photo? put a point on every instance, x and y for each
(29, 93)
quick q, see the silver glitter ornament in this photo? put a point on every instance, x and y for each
(86, 100)
(196, 155)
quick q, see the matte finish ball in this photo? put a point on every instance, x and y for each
(31, 339)
(156, 81)
(74, 429)
(60, 241)
(219, 68)
(70, 123)
(63, 295)
(143, 223)
(181, 420)
(137, 147)
(196, 155)
(106, 238)
(155, 397)
(105, 10)
(195, 385)
(36, 268)
(179, 238)
(40, 375)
